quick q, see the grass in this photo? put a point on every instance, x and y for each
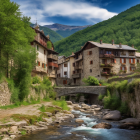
(23, 132)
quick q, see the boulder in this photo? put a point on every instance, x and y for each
(14, 129)
(79, 121)
(132, 121)
(69, 102)
(102, 125)
(77, 107)
(69, 115)
(97, 109)
(48, 120)
(67, 112)
(94, 106)
(48, 114)
(112, 115)
(127, 126)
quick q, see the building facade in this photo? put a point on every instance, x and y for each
(103, 61)
(46, 58)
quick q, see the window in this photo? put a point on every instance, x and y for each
(132, 68)
(132, 60)
(123, 68)
(38, 63)
(90, 52)
(103, 61)
(37, 47)
(116, 53)
(90, 70)
(108, 52)
(123, 60)
(91, 62)
(65, 73)
(32, 43)
(137, 61)
(65, 65)
(73, 64)
(101, 51)
(73, 72)
(112, 60)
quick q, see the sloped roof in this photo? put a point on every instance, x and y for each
(108, 46)
(137, 54)
(59, 57)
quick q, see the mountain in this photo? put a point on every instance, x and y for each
(53, 35)
(65, 30)
(124, 28)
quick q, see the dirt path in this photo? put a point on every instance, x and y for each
(28, 110)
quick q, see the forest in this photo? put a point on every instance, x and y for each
(123, 28)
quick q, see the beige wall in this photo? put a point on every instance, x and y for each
(71, 66)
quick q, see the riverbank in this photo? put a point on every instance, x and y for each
(27, 119)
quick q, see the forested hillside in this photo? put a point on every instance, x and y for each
(124, 28)
(53, 35)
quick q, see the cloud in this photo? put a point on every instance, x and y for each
(44, 9)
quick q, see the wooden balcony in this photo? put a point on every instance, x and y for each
(53, 57)
(131, 54)
(79, 58)
(77, 75)
(78, 67)
(107, 65)
(51, 64)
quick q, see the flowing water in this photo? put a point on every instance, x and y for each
(69, 130)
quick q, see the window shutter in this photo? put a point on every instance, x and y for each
(129, 60)
(121, 68)
(46, 65)
(130, 68)
(120, 60)
(134, 60)
(124, 60)
(114, 60)
(125, 68)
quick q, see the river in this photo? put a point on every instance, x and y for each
(69, 130)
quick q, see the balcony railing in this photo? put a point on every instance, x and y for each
(54, 57)
(77, 75)
(78, 67)
(106, 65)
(109, 55)
(131, 54)
(51, 64)
(108, 73)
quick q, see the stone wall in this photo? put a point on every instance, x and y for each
(59, 82)
(5, 94)
(133, 101)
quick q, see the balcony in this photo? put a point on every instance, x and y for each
(131, 54)
(54, 57)
(109, 55)
(51, 75)
(106, 65)
(78, 67)
(51, 64)
(77, 75)
(123, 64)
(108, 73)
(79, 58)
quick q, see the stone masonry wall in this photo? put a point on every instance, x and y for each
(5, 94)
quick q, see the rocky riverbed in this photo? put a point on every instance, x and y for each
(83, 122)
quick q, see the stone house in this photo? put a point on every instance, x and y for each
(65, 69)
(103, 61)
(138, 57)
(47, 57)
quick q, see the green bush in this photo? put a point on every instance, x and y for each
(124, 108)
(100, 97)
(36, 80)
(91, 81)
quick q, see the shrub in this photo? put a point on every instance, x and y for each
(49, 45)
(100, 97)
(36, 80)
(124, 108)
(91, 81)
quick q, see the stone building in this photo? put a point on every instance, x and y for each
(103, 60)
(65, 69)
(138, 57)
(47, 57)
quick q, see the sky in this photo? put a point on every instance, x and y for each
(73, 12)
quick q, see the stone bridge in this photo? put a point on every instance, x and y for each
(95, 90)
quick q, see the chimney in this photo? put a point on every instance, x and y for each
(72, 53)
(112, 41)
(120, 45)
(132, 46)
(101, 41)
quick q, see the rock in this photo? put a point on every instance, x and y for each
(69, 102)
(20, 124)
(133, 121)
(14, 129)
(12, 136)
(48, 120)
(77, 107)
(76, 115)
(102, 125)
(49, 114)
(30, 128)
(127, 126)
(67, 112)
(112, 115)
(69, 115)
(97, 109)
(82, 110)
(4, 130)
(79, 121)
(94, 106)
